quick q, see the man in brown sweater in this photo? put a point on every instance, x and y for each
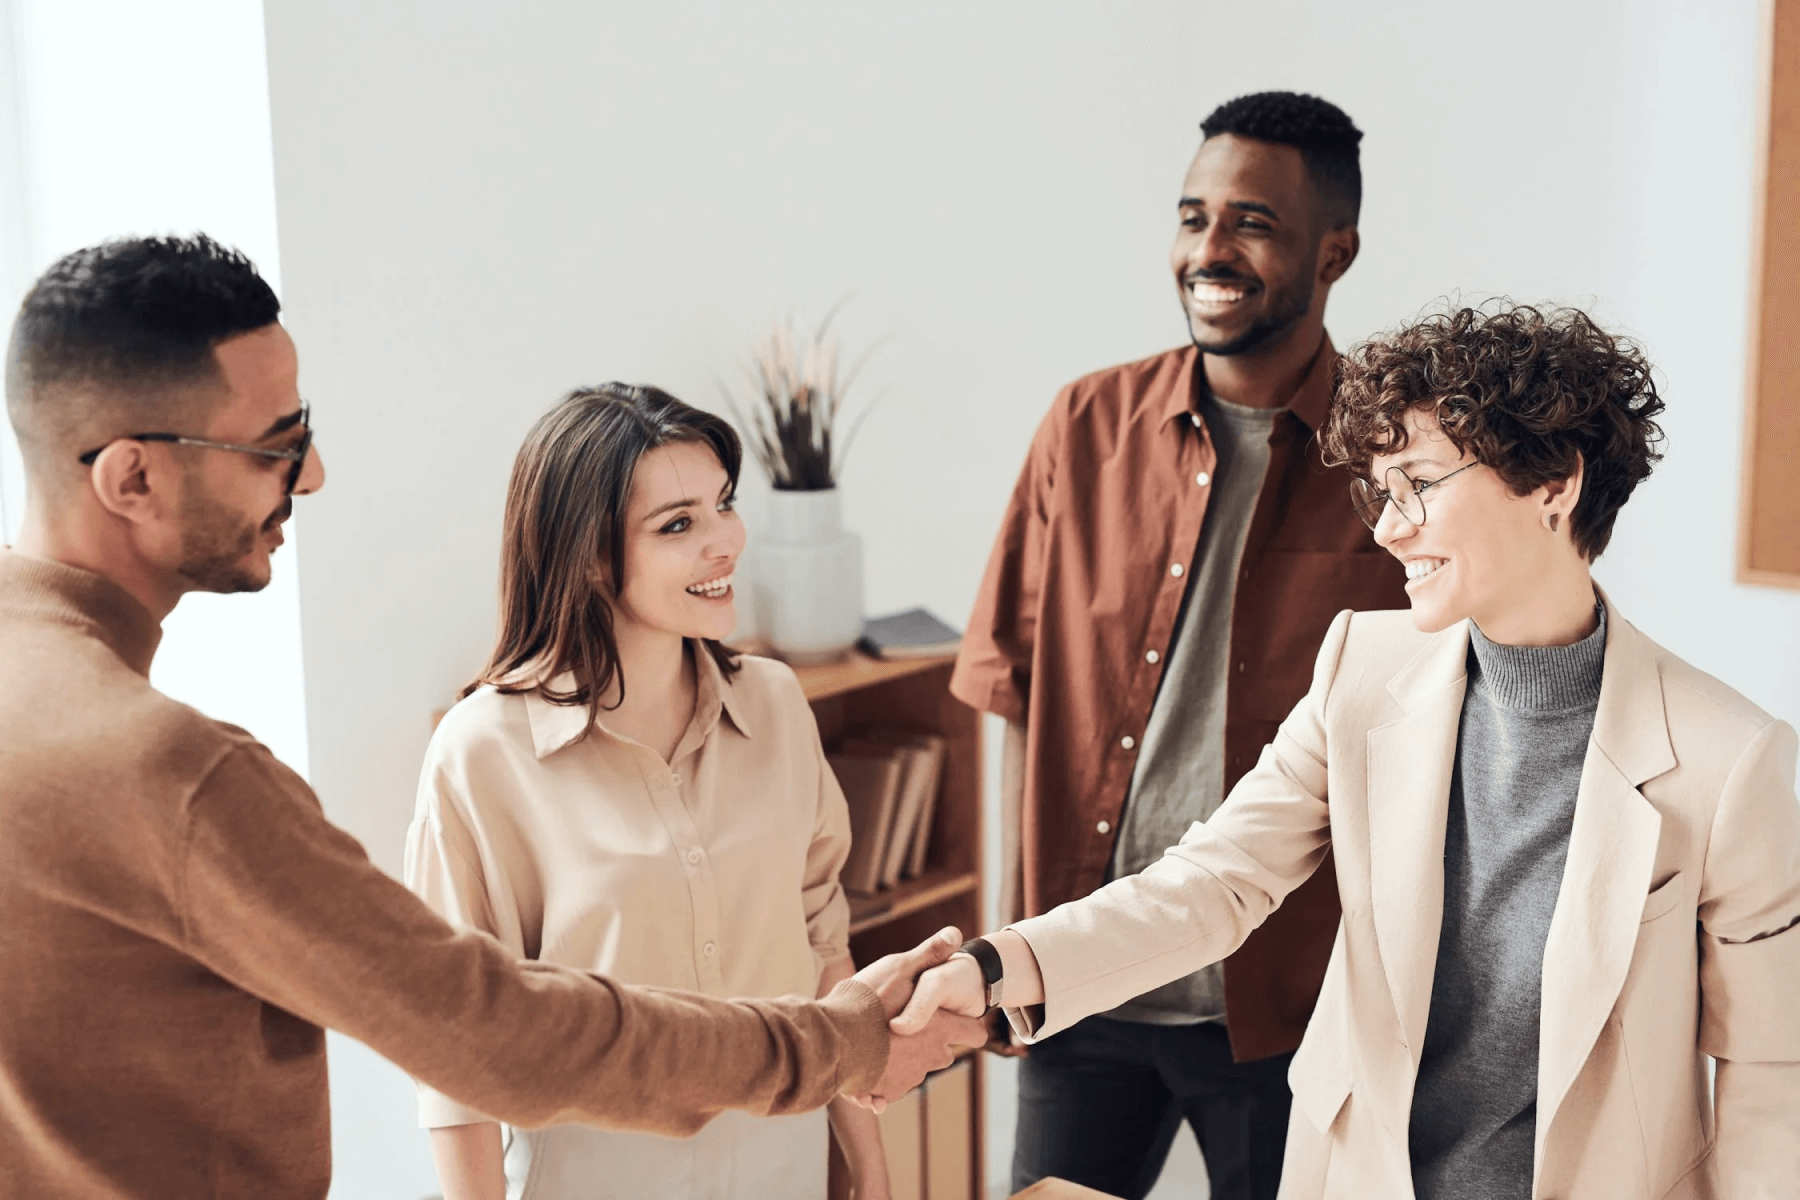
(178, 921)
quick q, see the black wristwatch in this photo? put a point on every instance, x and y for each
(988, 958)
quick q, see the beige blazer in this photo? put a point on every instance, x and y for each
(1672, 938)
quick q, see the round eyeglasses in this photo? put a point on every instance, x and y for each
(1406, 493)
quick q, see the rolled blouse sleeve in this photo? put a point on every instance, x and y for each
(822, 894)
(442, 867)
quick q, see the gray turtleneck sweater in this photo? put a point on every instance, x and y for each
(1526, 719)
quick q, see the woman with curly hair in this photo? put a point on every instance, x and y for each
(1569, 862)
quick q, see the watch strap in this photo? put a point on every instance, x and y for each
(988, 959)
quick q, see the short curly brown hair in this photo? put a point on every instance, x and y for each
(1531, 392)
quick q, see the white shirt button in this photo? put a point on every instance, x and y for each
(1195, 418)
(1128, 741)
(693, 856)
(1203, 479)
(1175, 570)
(1151, 656)
(710, 949)
(1104, 827)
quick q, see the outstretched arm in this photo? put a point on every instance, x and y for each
(1193, 907)
(287, 907)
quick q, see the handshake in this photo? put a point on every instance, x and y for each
(934, 1008)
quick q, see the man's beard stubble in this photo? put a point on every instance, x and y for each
(1287, 307)
(215, 542)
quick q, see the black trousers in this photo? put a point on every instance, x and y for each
(1099, 1105)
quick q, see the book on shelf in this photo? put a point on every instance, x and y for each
(871, 790)
(890, 781)
(914, 633)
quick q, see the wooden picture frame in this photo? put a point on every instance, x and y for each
(1769, 516)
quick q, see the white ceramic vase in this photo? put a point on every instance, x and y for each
(808, 577)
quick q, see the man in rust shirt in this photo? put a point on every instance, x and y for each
(1168, 564)
(178, 920)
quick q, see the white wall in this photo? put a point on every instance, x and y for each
(484, 204)
(15, 247)
(135, 119)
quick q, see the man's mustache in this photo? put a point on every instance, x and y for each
(1215, 275)
(281, 514)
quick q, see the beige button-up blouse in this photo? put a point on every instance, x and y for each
(715, 872)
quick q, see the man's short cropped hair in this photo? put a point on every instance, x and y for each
(1323, 133)
(1530, 392)
(122, 324)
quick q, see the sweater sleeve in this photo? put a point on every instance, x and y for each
(288, 907)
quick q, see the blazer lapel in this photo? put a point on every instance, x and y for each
(1410, 766)
(1612, 853)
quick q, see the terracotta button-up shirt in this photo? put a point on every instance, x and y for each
(1086, 578)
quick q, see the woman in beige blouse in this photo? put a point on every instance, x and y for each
(619, 793)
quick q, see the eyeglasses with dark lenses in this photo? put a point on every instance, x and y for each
(1405, 493)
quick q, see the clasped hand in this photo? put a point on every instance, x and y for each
(930, 1018)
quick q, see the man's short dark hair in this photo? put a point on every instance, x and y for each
(124, 323)
(1323, 133)
(1532, 392)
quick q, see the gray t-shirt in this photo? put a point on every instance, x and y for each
(1526, 719)
(1179, 777)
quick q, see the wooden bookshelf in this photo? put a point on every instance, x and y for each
(863, 694)
(911, 896)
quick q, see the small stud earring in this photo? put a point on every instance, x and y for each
(1554, 518)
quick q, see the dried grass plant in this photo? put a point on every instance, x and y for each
(797, 405)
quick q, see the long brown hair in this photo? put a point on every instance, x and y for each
(565, 513)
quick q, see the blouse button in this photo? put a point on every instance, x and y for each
(1175, 570)
(1128, 741)
(693, 856)
(710, 949)
(1104, 827)
(675, 779)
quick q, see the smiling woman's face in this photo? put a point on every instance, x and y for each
(682, 541)
(1483, 552)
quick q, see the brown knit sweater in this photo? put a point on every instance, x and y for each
(178, 921)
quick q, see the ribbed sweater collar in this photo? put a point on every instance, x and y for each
(38, 589)
(1544, 679)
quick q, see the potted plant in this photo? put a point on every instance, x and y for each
(807, 569)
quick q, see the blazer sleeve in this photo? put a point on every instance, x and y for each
(1206, 894)
(993, 667)
(1750, 968)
